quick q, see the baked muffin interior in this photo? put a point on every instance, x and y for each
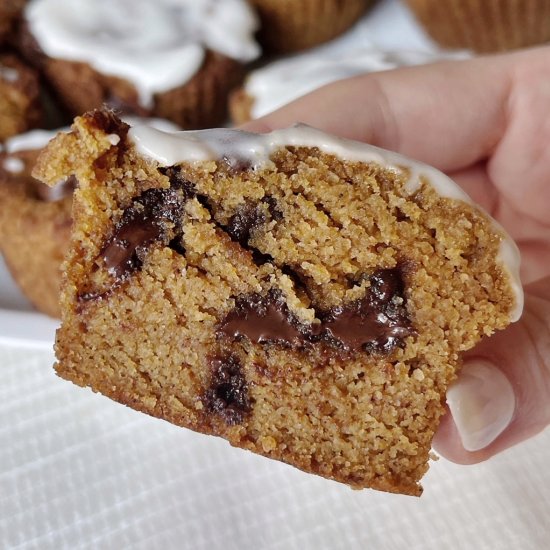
(306, 307)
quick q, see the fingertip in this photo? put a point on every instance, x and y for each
(480, 407)
(448, 444)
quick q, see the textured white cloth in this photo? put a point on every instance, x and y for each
(80, 471)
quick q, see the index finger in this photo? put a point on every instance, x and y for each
(449, 114)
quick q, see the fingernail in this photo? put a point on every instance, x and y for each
(482, 403)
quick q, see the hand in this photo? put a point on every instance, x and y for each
(484, 122)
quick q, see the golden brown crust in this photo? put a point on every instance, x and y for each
(152, 340)
(292, 25)
(482, 25)
(20, 107)
(34, 235)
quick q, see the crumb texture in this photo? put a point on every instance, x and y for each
(311, 311)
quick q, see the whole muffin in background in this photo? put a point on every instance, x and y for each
(484, 25)
(20, 107)
(35, 222)
(174, 59)
(293, 25)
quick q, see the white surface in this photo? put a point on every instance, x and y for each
(78, 471)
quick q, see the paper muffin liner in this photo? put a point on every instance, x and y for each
(484, 25)
(292, 25)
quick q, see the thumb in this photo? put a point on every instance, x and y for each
(502, 395)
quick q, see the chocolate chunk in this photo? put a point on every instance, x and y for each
(227, 395)
(179, 181)
(377, 323)
(176, 245)
(273, 208)
(143, 223)
(261, 319)
(124, 251)
(244, 221)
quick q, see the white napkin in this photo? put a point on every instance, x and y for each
(80, 471)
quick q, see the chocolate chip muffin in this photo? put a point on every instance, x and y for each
(177, 61)
(305, 297)
(20, 107)
(35, 222)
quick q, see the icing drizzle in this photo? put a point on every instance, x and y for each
(255, 150)
(157, 46)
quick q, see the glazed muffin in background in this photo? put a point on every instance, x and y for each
(173, 59)
(305, 297)
(20, 106)
(277, 84)
(484, 25)
(35, 220)
(10, 11)
(293, 25)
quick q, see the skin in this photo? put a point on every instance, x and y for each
(484, 122)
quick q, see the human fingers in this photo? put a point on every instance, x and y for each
(502, 395)
(450, 114)
(531, 236)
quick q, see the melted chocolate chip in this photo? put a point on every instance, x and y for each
(179, 181)
(125, 250)
(141, 224)
(376, 323)
(243, 222)
(227, 395)
(273, 208)
(261, 319)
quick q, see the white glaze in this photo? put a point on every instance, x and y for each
(38, 139)
(9, 74)
(31, 141)
(279, 83)
(156, 45)
(13, 165)
(168, 148)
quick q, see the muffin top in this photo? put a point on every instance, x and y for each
(157, 46)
